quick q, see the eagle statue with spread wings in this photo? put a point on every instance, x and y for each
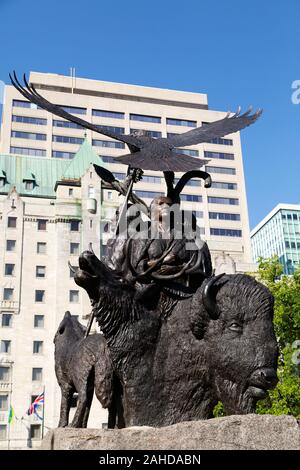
(149, 153)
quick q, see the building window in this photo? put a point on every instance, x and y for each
(146, 178)
(91, 223)
(72, 274)
(5, 346)
(108, 114)
(3, 432)
(35, 431)
(219, 141)
(29, 120)
(108, 144)
(190, 152)
(191, 197)
(6, 321)
(224, 216)
(37, 374)
(181, 122)
(67, 124)
(39, 321)
(8, 293)
(74, 248)
(223, 200)
(39, 295)
(109, 195)
(115, 130)
(74, 296)
(107, 159)
(73, 109)
(219, 155)
(71, 191)
(40, 271)
(4, 374)
(9, 269)
(91, 190)
(67, 139)
(24, 104)
(12, 222)
(10, 245)
(66, 155)
(221, 170)
(74, 225)
(28, 151)
(148, 194)
(141, 117)
(222, 185)
(225, 232)
(155, 134)
(198, 214)
(28, 135)
(37, 347)
(41, 247)
(29, 185)
(42, 224)
(3, 402)
(295, 217)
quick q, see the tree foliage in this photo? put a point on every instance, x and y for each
(285, 398)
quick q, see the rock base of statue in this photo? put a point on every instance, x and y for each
(247, 432)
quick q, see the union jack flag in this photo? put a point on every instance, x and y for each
(38, 401)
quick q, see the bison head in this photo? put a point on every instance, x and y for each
(236, 328)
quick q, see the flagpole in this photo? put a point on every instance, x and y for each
(43, 415)
(9, 424)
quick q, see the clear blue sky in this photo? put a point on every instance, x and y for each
(238, 52)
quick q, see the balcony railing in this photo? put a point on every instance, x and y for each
(9, 304)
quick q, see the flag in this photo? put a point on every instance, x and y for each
(11, 415)
(38, 401)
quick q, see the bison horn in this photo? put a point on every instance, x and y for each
(91, 248)
(209, 299)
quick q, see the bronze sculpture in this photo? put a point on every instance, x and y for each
(147, 152)
(83, 365)
(179, 339)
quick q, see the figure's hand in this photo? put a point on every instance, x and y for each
(151, 263)
(170, 258)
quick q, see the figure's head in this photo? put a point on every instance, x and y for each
(69, 330)
(160, 207)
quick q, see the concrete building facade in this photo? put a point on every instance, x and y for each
(279, 234)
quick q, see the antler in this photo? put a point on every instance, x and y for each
(151, 268)
(187, 268)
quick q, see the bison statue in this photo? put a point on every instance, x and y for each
(177, 352)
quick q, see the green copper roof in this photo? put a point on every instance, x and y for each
(46, 171)
(81, 161)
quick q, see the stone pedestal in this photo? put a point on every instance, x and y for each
(247, 432)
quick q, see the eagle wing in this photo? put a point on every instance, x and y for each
(30, 93)
(224, 126)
